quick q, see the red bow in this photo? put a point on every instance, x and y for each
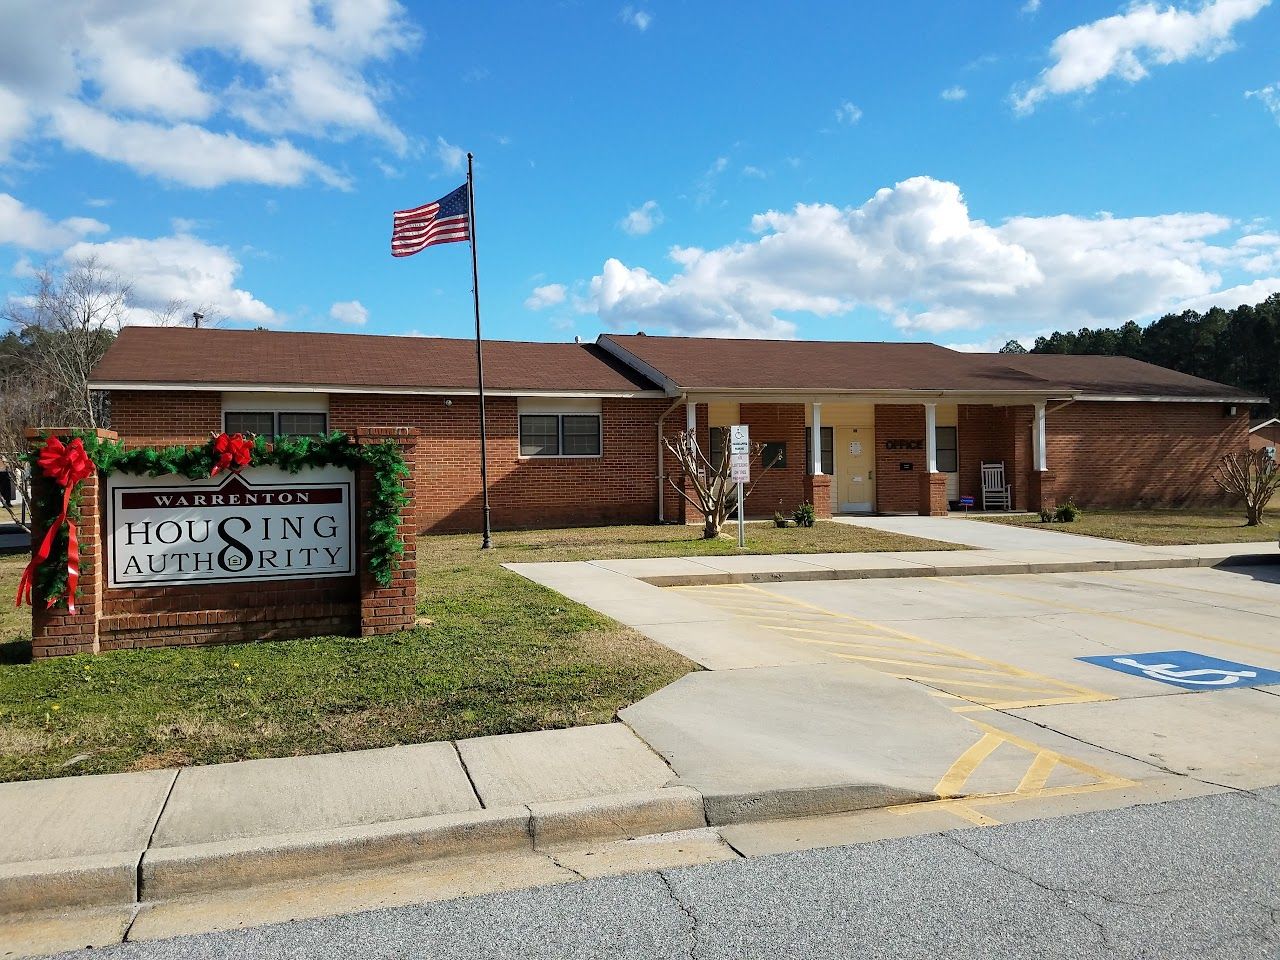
(65, 464)
(233, 453)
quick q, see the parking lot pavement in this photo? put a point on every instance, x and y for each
(1079, 683)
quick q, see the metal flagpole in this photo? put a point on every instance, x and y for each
(475, 291)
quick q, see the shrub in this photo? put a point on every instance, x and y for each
(1067, 512)
(804, 515)
(1047, 515)
(779, 520)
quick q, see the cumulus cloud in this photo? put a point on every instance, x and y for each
(175, 269)
(208, 73)
(848, 113)
(637, 18)
(1268, 96)
(643, 219)
(350, 311)
(954, 93)
(914, 253)
(550, 295)
(29, 229)
(1128, 44)
(452, 157)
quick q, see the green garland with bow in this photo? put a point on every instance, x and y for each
(290, 454)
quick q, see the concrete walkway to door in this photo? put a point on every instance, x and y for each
(994, 536)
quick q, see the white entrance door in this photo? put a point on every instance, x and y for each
(854, 485)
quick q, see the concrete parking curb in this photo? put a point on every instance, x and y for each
(957, 570)
(90, 881)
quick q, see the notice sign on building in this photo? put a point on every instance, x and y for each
(261, 524)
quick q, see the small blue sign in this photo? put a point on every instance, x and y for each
(1191, 671)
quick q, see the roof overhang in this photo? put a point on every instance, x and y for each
(788, 395)
(154, 387)
(1110, 398)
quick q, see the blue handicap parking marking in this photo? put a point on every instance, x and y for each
(1191, 671)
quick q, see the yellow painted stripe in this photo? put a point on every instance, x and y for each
(953, 782)
(965, 812)
(1037, 774)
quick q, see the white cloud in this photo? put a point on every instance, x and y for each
(453, 158)
(754, 172)
(1031, 6)
(643, 219)
(954, 93)
(206, 72)
(1232, 297)
(1127, 44)
(639, 19)
(708, 182)
(915, 254)
(28, 229)
(1269, 97)
(181, 268)
(848, 113)
(186, 153)
(350, 311)
(546, 296)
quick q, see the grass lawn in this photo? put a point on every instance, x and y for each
(500, 655)
(1159, 527)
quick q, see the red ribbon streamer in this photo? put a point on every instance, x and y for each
(233, 453)
(65, 464)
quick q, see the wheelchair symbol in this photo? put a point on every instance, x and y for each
(1170, 672)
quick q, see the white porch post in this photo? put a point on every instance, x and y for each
(815, 435)
(931, 437)
(1038, 440)
(691, 423)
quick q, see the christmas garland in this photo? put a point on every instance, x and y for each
(54, 567)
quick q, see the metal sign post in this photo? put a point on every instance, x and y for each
(740, 467)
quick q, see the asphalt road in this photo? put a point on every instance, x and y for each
(1190, 878)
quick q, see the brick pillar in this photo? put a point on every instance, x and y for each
(394, 607)
(55, 632)
(933, 494)
(817, 490)
(1043, 492)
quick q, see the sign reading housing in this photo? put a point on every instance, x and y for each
(261, 524)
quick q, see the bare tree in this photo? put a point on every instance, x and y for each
(715, 495)
(183, 313)
(67, 322)
(1254, 477)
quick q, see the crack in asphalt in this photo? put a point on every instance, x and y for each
(694, 940)
(1061, 894)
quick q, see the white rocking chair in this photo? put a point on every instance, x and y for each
(995, 492)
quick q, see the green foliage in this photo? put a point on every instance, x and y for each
(1013, 346)
(1240, 347)
(1046, 515)
(290, 454)
(779, 520)
(804, 515)
(1067, 512)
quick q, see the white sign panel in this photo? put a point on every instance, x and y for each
(739, 440)
(740, 472)
(260, 524)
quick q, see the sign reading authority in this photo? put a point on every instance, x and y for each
(262, 524)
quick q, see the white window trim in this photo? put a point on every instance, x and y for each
(559, 415)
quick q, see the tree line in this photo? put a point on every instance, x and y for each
(1240, 347)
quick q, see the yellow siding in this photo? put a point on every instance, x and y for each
(722, 414)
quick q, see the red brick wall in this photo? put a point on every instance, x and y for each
(989, 434)
(780, 488)
(898, 490)
(158, 417)
(1151, 454)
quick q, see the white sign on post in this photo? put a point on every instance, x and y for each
(739, 441)
(262, 524)
(740, 471)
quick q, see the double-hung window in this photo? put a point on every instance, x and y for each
(553, 433)
(948, 449)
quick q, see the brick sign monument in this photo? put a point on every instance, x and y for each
(239, 540)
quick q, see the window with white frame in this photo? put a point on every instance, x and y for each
(556, 428)
(275, 414)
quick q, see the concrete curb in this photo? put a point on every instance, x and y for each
(965, 570)
(110, 878)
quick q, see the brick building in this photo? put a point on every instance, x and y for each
(575, 429)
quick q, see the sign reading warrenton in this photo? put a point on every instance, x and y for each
(260, 524)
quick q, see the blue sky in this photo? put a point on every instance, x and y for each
(962, 173)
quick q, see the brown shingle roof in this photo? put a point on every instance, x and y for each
(181, 355)
(692, 363)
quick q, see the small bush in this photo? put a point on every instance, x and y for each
(804, 515)
(779, 520)
(1047, 515)
(1067, 512)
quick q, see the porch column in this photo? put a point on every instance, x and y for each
(815, 434)
(933, 485)
(1043, 495)
(817, 486)
(691, 417)
(690, 514)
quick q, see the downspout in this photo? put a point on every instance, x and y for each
(684, 399)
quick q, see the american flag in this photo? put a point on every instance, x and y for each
(445, 221)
